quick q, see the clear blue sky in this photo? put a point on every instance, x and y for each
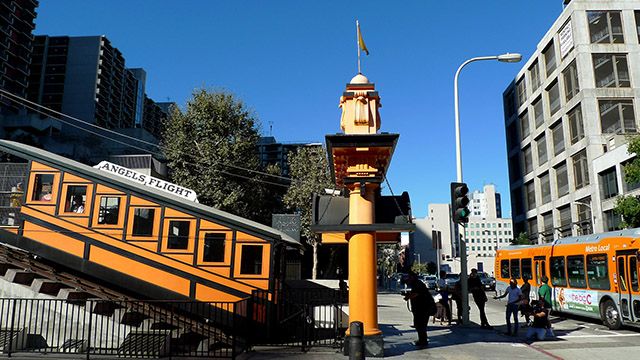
(289, 61)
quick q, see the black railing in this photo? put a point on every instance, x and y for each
(141, 329)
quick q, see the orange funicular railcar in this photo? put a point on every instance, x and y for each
(153, 243)
(593, 275)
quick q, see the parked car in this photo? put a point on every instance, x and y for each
(488, 282)
(451, 280)
(430, 280)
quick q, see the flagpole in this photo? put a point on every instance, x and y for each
(358, 44)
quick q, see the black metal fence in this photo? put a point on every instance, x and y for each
(141, 329)
(300, 317)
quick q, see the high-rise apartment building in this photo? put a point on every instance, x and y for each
(272, 152)
(567, 115)
(16, 27)
(486, 203)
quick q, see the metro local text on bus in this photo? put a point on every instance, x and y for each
(147, 180)
(599, 248)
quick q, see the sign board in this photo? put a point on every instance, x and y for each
(146, 180)
(287, 223)
(566, 39)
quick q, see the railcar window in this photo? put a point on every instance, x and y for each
(109, 210)
(575, 268)
(526, 268)
(143, 222)
(251, 261)
(633, 273)
(213, 247)
(76, 199)
(515, 268)
(178, 235)
(504, 269)
(597, 272)
(558, 275)
(43, 187)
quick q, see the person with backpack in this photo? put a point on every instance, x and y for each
(422, 306)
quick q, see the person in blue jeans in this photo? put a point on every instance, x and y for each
(514, 296)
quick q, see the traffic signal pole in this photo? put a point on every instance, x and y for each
(460, 215)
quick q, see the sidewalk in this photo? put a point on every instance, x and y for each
(445, 342)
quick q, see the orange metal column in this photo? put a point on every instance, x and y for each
(363, 301)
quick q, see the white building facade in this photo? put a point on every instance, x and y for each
(567, 114)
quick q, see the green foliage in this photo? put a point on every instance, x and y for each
(203, 144)
(389, 258)
(310, 175)
(629, 208)
(522, 239)
(632, 169)
(419, 268)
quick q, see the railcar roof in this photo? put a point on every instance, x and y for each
(584, 239)
(48, 158)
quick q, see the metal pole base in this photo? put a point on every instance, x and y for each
(373, 345)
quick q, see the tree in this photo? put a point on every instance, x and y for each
(629, 206)
(522, 239)
(208, 146)
(310, 175)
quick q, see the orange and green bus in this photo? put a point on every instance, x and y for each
(593, 275)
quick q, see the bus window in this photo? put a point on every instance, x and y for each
(597, 272)
(515, 268)
(575, 268)
(633, 273)
(504, 269)
(558, 277)
(621, 275)
(526, 268)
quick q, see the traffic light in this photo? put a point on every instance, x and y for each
(459, 201)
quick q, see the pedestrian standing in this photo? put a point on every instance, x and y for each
(444, 293)
(418, 298)
(479, 297)
(544, 292)
(514, 295)
(525, 308)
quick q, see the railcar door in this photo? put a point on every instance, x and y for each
(628, 285)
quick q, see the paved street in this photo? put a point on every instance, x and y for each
(576, 339)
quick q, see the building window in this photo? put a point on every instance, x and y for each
(521, 87)
(76, 199)
(178, 235)
(576, 127)
(534, 75)
(605, 27)
(609, 183)
(524, 126)
(143, 222)
(533, 227)
(538, 113)
(562, 180)
(251, 260)
(531, 195)
(527, 160)
(558, 138)
(512, 135)
(43, 188)
(565, 221)
(516, 196)
(637, 13)
(584, 216)
(611, 70)
(553, 96)
(547, 221)
(213, 247)
(612, 221)
(109, 210)
(580, 169)
(549, 55)
(616, 116)
(514, 167)
(541, 144)
(545, 188)
(571, 85)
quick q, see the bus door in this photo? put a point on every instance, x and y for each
(540, 269)
(628, 287)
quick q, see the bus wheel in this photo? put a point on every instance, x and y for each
(610, 315)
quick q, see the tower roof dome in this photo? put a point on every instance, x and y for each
(359, 79)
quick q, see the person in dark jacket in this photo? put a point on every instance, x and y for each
(525, 308)
(419, 307)
(479, 297)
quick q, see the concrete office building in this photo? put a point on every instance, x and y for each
(436, 228)
(16, 27)
(566, 116)
(272, 152)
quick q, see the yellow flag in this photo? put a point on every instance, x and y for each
(363, 47)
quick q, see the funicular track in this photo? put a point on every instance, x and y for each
(144, 328)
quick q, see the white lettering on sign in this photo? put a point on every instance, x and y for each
(146, 180)
(566, 39)
(597, 248)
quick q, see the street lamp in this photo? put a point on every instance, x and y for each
(510, 58)
(588, 206)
